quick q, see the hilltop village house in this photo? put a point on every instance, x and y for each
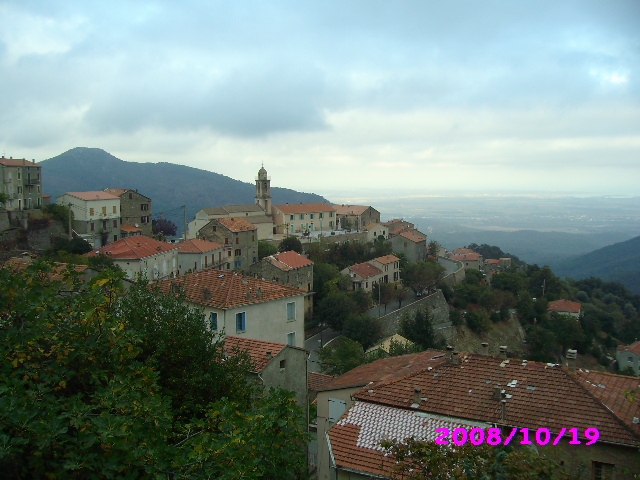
(303, 217)
(238, 237)
(565, 307)
(364, 276)
(142, 255)
(412, 395)
(628, 356)
(136, 212)
(356, 216)
(96, 215)
(198, 254)
(244, 306)
(22, 183)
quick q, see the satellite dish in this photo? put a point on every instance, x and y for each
(136, 225)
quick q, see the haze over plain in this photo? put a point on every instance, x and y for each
(338, 98)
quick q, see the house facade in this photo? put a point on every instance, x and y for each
(136, 210)
(363, 276)
(410, 242)
(197, 254)
(238, 237)
(22, 183)
(142, 255)
(376, 230)
(355, 217)
(303, 217)
(628, 356)
(471, 260)
(389, 265)
(244, 306)
(96, 215)
(565, 307)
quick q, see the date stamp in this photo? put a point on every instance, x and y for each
(494, 436)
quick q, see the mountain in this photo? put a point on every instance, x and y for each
(168, 185)
(616, 263)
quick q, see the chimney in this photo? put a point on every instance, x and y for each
(249, 295)
(416, 395)
(206, 294)
(503, 352)
(269, 355)
(504, 410)
(26, 258)
(497, 392)
(259, 293)
(484, 351)
(571, 358)
(455, 358)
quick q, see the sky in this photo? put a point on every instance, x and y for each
(340, 98)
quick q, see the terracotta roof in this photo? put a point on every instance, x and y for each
(305, 208)
(373, 225)
(387, 259)
(317, 381)
(236, 224)
(289, 260)
(133, 248)
(17, 162)
(564, 306)
(396, 229)
(92, 195)
(260, 351)
(461, 257)
(197, 245)
(350, 209)
(365, 270)
(634, 348)
(460, 251)
(387, 369)
(225, 289)
(413, 235)
(392, 222)
(355, 438)
(227, 209)
(492, 261)
(116, 191)
(537, 396)
(17, 264)
(130, 228)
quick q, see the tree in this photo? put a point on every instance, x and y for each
(266, 248)
(419, 329)
(414, 459)
(335, 308)
(3, 198)
(383, 293)
(421, 276)
(478, 322)
(381, 247)
(400, 293)
(363, 328)
(76, 245)
(290, 243)
(341, 356)
(165, 227)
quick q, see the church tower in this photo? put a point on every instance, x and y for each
(263, 190)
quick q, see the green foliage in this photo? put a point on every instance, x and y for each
(381, 247)
(99, 384)
(419, 329)
(419, 460)
(456, 318)
(491, 251)
(478, 321)
(341, 356)
(542, 343)
(421, 276)
(362, 300)
(323, 276)
(165, 227)
(335, 308)
(3, 198)
(363, 328)
(567, 330)
(266, 248)
(290, 243)
(76, 245)
(58, 212)
(383, 293)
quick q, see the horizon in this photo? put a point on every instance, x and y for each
(495, 96)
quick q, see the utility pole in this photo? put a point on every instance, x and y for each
(70, 235)
(184, 211)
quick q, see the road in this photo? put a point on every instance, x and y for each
(313, 344)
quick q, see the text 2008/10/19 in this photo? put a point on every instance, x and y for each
(494, 437)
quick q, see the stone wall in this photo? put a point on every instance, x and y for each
(434, 303)
(457, 276)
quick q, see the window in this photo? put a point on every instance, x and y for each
(104, 224)
(115, 238)
(19, 174)
(213, 321)
(144, 207)
(291, 217)
(237, 252)
(237, 240)
(311, 216)
(115, 224)
(603, 471)
(115, 209)
(228, 253)
(19, 190)
(226, 240)
(38, 188)
(302, 216)
(91, 211)
(291, 339)
(104, 210)
(291, 311)
(93, 227)
(253, 238)
(331, 223)
(283, 364)
(331, 214)
(241, 322)
(321, 215)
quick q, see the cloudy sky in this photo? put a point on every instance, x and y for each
(338, 98)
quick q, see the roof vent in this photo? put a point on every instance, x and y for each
(417, 398)
(455, 358)
(269, 355)
(206, 294)
(497, 392)
(636, 420)
(571, 358)
(503, 352)
(259, 293)
(485, 349)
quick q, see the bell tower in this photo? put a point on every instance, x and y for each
(263, 190)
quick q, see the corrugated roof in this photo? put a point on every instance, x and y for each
(133, 248)
(294, 208)
(197, 245)
(260, 351)
(225, 289)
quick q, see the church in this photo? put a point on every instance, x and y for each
(259, 213)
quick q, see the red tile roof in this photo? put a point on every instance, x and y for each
(294, 208)
(492, 261)
(94, 195)
(236, 224)
(386, 259)
(260, 351)
(564, 306)
(133, 248)
(225, 289)
(17, 162)
(289, 260)
(197, 245)
(17, 264)
(365, 270)
(130, 228)
(317, 381)
(413, 235)
(634, 348)
(350, 209)
(537, 396)
(116, 191)
(469, 257)
(460, 251)
(387, 369)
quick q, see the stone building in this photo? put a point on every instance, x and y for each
(136, 210)
(238, 237)
(96, 215)
(22, 183)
